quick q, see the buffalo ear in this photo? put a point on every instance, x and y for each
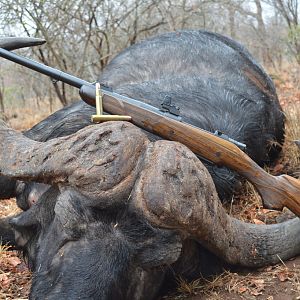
(161, 250)
(27, 218)
(24, 226)
(27, 223)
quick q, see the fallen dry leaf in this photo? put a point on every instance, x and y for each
(14, 261)
(242, 289)
(283, 276)
(266, 211)
(4, 280)
(278, 168)
(258, 283)
(258, 222)
(255, 292)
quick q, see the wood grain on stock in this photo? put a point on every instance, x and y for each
(276, 191)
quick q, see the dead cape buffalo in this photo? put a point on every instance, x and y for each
(123, 214)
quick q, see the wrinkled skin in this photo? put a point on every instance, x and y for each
(166, 199)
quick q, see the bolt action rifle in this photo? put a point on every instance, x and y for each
(276, 191)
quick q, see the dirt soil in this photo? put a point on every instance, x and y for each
(280, 282)
(15, 277)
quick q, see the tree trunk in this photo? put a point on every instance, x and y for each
(2, 108)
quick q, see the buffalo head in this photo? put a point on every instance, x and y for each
(119, 210)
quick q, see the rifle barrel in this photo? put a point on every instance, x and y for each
(46, 70)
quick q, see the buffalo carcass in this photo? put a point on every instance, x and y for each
(97, 233)
(215, 82)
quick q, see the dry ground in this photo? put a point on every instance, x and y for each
(280, 282)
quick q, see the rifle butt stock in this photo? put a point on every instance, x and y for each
(275, 191)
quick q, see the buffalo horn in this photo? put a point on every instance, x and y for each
(11, 43)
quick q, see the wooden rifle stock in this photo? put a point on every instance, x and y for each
(275, 191)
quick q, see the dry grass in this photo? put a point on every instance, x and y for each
(230, 285)
(289, 95)
(8, 208)
(26, 115)
(291, 150)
